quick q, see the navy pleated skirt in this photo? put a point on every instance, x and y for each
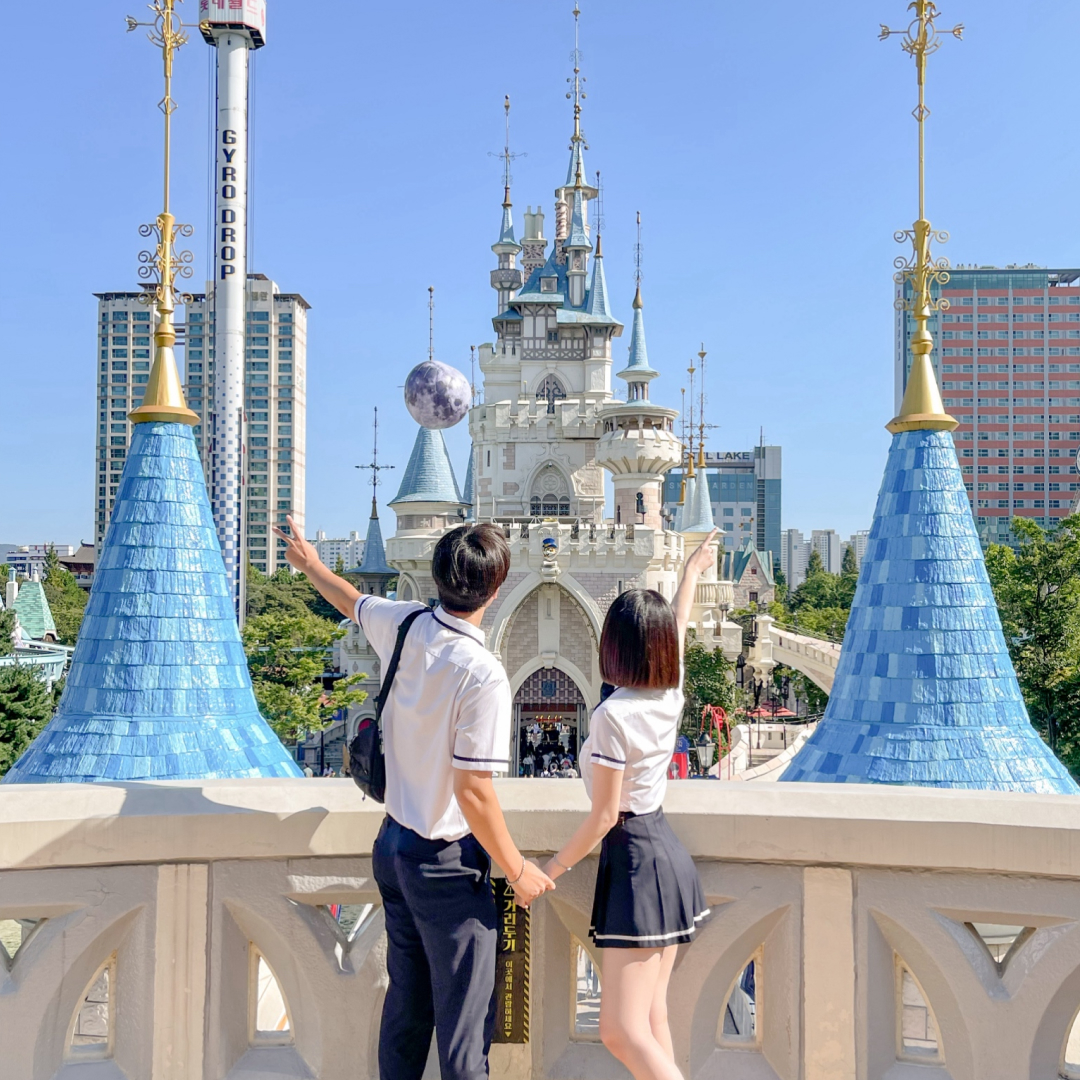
(648, 893)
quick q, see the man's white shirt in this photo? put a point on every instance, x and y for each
(449, 708)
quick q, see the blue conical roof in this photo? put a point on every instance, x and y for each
(925, 692)
(698, 516)
(683, 511)
(506, 233)
(429, 476)
(159, 686)
(597, 306)
(638, 369)
(578, 237)
(374, 560)
(468, 496)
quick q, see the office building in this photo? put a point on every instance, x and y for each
(826, 542)
(350, 552)
(745, 491)
(28, 559)
(794, 555)
(275, 406)
(1009, 367)
(124, 347)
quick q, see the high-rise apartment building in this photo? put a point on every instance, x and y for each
(275, 408)
(1008, 361)
(745, 489)
(350, 551)
(794, 555)
(124, 349)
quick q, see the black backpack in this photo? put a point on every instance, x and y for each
(367, 761)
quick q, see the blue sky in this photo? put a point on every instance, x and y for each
(769, 147)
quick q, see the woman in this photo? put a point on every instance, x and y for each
(648, 897)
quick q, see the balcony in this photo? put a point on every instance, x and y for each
(181, 931)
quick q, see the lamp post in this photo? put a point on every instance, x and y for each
(705, 752)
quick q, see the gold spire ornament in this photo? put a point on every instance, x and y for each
(163, 401)
(922, 408)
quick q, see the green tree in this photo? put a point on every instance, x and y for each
(7, 630)
(1037, 588)
(66, 600)
(848, 566)
(814, 565)
(287, 656)
(26, 703)
(707, 681)
(284, 592)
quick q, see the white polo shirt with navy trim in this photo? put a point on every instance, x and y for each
(449, 708)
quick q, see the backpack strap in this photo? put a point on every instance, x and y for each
(391, 669)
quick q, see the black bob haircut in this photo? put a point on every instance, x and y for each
(469, 565)
(639, 647)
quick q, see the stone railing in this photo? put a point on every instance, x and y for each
(188, 931)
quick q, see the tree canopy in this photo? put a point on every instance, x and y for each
(66, 600)
(26, 704)
(287, 656)
(707, 681)
(1037, 588)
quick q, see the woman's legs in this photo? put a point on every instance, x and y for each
(658, 1016)
(632, 979)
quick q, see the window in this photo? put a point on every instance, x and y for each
(553, 335)
(120, 353)
(550, 390)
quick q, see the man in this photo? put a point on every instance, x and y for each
(446, 729)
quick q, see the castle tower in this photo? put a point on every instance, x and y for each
(159, 686)
(925, 691)
(506, 278)
(639, 444)
(428, 498)
(374, 572)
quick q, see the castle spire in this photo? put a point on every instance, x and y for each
(159, 687)
(506, 278)
(925, 692)
(637, 373)
(575, 172)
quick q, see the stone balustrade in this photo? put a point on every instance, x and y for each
(184, 931)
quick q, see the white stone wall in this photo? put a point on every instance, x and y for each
(875, 916)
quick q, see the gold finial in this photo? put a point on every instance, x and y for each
(922, 408)
(163, 401)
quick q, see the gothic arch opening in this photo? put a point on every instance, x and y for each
(550, 390)
(549, 715)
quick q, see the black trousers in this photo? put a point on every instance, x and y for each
(441, 941)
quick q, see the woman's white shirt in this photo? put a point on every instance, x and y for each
(634, 730)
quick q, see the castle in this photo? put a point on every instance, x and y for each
(548, 426)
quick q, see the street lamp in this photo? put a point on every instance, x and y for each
(705, 752)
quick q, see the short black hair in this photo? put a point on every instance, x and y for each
(469, 565)
(639, 646)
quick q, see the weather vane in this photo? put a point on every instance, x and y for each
(576, 93)
(163, 398)
(507, 157)
(374, 466)
(637, 262)
(921, 270)
(431, 323)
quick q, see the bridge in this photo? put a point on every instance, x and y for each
(814, 657)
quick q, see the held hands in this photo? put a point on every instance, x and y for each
(299, 554)
(704, 557)
(532, 884)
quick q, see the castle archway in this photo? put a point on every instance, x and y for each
(550, 721)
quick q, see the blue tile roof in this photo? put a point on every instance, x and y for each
(506, 233)
(638, 369)
(159, 686)
(429, 476)
(925, 692)
(734, 563)
(596, 302)
(698, 515)
(468, 495)
(374, 559)
(578, 237)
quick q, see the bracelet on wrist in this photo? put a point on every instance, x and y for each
(558, 862)
(514, 881)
